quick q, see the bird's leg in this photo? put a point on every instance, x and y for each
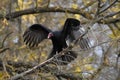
(63, 51)
(56, 52)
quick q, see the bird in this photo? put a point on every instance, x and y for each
(36, 33)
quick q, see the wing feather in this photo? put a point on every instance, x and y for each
(35, 34)
(84, 42)
(68, 25)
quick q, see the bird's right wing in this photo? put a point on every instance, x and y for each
(35, 34)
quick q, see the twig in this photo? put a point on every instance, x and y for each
(112, 14)
(5, 40)
(3, 50)
(88, 5)
(108, 6)
(117, 59)
(98, 8)
(69, 76)
(116, 26)
(48, 3)
(36, 4)
(2, 46)
(118, 77)
(103, 64)
(106, 19)
(111, 20)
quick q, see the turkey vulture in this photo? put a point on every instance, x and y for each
(37, 32)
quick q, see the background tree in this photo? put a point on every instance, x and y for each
(101, 18)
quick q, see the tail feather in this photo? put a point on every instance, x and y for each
(63, 59)
(66, 58)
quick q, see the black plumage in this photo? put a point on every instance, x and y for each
(37, 32)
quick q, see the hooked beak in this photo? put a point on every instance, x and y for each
(50, 35)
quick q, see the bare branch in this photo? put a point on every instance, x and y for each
(108, 6)
(111, 20)
(44, 9)
(112, 14)
(36, 4)
(3, 50)
(103, 62)
(98, 8)
(5, 40)
(69, 76)
(88, 4)
(118, 77)
(105, 19)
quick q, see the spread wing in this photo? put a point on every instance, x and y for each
(84, 43)
(35, 34)
(72, 30)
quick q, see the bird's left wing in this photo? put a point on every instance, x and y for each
(84, 41)
(35, 34)
(70, 23)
